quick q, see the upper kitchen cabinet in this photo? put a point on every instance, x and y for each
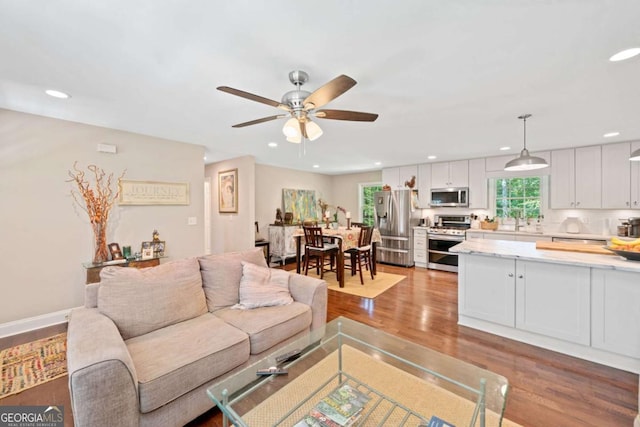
(616, 176)
(424, 184)
(396, 177)
(450, 174)
(635, 178)
(576, 178)
(478, 184)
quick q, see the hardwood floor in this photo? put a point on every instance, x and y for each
(547, 388)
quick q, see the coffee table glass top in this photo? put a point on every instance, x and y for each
(407, 384)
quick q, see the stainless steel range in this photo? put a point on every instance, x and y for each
(448, 231)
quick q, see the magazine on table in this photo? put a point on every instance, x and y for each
(341, 408)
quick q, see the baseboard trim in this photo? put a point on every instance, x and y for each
(33, 323)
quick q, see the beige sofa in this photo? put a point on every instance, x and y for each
(149, 342)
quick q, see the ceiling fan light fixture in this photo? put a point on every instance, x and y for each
(313, 130)
(635, 156)
(297, 139)
(525, 161)
(291, 128)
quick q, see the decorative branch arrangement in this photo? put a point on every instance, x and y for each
(96, 202)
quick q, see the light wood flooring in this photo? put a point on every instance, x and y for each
(547, 388)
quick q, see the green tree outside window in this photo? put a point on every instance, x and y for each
(518, 197)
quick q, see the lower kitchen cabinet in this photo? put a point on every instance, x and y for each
(548, 299)
(616, 312)
(420, 249)
(487, 288)
(554, 300)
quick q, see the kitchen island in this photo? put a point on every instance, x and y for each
(584, 305)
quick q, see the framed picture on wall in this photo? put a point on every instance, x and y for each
(228, 191)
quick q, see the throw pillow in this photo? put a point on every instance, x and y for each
(221, 275)
(263, 287)
(142, 300)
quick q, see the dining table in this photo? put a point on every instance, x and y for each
(346, 238)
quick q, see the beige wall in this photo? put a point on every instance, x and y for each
(346, 191)
(45, 238)
(233, 231)
(269, 184)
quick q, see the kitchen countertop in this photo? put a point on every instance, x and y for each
(546, 234)
(527, 251)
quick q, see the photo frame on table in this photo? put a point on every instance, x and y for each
(147, 250)
(158, 248)
(228, 191)
(114, 250)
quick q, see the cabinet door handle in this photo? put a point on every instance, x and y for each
(571, 204)
(577, 203)
(510, 274)
(520, 276)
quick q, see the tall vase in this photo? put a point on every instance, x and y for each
(101, 253)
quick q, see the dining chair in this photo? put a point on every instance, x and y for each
(317, 249)
(362, 253)
(358, 224)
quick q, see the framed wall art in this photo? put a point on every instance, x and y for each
(228, 191)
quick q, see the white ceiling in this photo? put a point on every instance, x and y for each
(447, 77)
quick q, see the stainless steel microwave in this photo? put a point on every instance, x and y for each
(450, 197)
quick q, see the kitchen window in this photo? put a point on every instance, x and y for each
(518, 197)
(367, 202)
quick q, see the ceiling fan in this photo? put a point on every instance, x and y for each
(301, 105)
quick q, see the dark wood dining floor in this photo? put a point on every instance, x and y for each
(547, 388)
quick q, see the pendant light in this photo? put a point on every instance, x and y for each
(635, 156)
(525, 161)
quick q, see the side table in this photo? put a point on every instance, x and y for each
(93, 270)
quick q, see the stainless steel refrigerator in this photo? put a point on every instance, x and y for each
(395, 220)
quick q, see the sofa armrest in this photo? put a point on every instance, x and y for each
(313, 292)
(102, 379)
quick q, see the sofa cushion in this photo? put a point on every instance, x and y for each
(263, 287)
(143, 300)
(221, 276)
(268, 326)
(174, 360)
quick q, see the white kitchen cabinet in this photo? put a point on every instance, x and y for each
(478, 184)
(635, 179)
(487, 288)
(396, 177)
(474, 234)
(554, 300)
(576, 178)
(424, 184)
(420, 247)
(616, 176)
(450, 174)
(615, 312)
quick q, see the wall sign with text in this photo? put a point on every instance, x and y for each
(153, 193)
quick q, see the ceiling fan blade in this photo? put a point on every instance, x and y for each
(329, 92)
(262, 120)
(253, 97)
(355, 116)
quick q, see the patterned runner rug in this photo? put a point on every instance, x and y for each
(31, 364)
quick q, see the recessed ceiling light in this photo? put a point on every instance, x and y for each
(204, 158)
(273, 144)
(57, 94)
(611, 134)
(431, 157)
(316, 166)
(377, 163)
(625, 54)
(505, 148)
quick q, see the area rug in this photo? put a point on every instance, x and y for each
(426, 398)
(28, 365)
(370, 289)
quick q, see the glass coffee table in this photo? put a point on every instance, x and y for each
(403, 383)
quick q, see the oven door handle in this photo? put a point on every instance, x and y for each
(445, 237)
